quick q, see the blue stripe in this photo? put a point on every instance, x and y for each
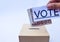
(46, 17)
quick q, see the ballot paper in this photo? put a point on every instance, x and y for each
(42, 15)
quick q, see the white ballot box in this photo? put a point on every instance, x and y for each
(33, 34)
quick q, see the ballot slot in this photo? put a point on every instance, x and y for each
(34, 28)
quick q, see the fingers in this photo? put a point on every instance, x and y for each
(53, 6)
(54, 0)
(51, 1)
(57, 0)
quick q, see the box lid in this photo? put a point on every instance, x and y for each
(28, 30)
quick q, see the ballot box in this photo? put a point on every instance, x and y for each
(30, 33)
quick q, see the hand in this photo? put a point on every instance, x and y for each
(53, 4)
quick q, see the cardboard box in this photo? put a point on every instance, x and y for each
(33, 34)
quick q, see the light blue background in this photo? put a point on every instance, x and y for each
(13, 14)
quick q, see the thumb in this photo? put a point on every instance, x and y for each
(53, 6)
